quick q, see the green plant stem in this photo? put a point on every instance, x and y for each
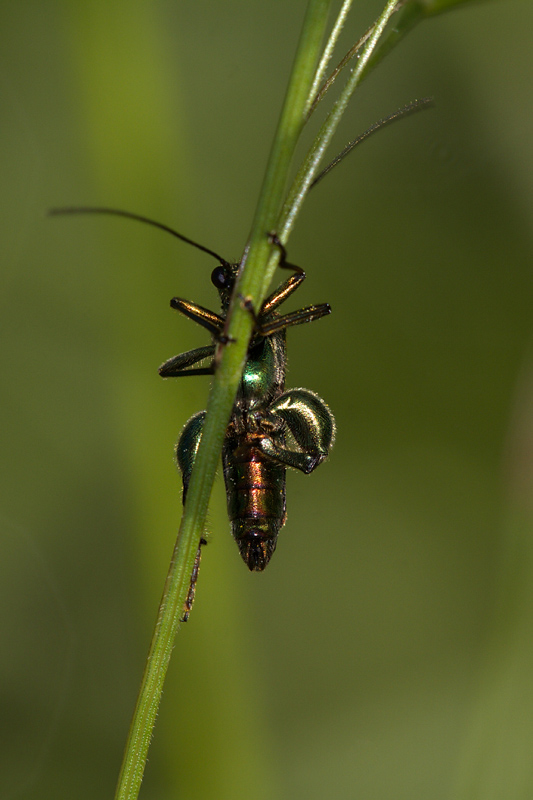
(309, 168)
(328, 52)
(326, 86)
(230, 361)
(409, 15)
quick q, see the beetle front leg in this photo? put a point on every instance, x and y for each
(310, 423)
(186, 450)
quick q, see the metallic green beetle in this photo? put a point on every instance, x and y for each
(270, 429)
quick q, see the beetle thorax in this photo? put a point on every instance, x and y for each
(264, 374)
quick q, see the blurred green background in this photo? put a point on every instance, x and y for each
(386, 653)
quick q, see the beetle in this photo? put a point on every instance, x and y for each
(256, 452)
(270, 429)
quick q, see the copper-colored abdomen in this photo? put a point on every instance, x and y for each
(255, 487)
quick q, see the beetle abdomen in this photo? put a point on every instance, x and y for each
(255, 488)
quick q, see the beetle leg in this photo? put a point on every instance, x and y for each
(287, 287)
(279, 296)
(177, 366)
(187, 447)
(283, 263)
(203, 316)
(189, 600)
(278, 324)
(310, 423)
(186, 450)
(308, 314)
(283, 291)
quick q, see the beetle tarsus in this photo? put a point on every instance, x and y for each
(189, 600)
(274, 239)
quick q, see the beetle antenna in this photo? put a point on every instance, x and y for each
(406, 111)
(55, 212)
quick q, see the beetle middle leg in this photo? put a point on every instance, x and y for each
(178, 366)
(311, 424)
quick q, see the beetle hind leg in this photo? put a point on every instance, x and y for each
(310, 423)
(186, 450)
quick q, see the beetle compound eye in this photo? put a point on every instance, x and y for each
(219, 278)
